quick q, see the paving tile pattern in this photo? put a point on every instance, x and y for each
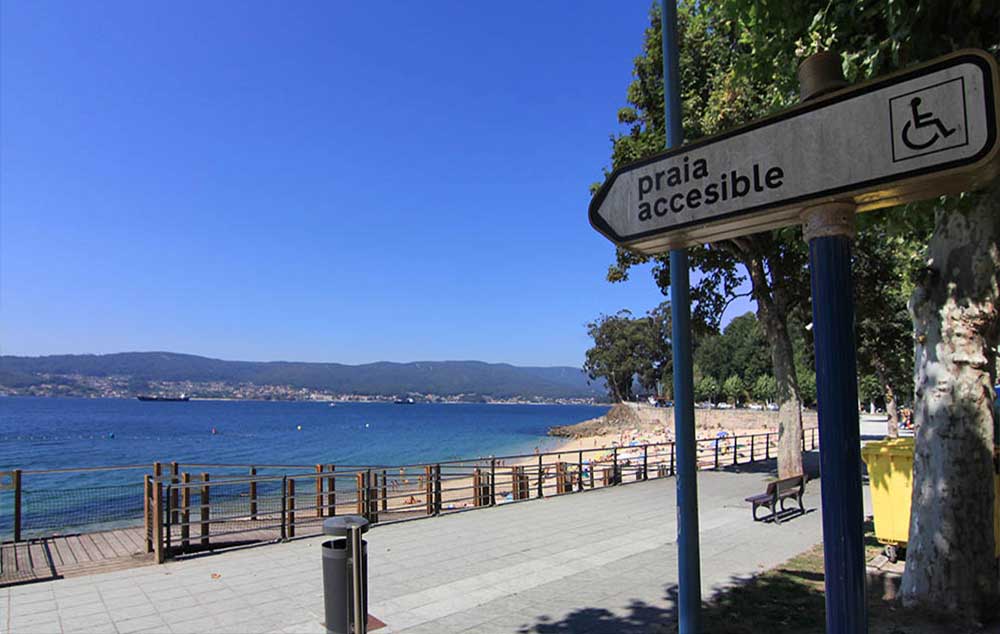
(602, 561)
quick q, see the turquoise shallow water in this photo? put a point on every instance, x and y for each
(50, 433)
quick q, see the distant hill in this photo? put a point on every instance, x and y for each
(445, 378)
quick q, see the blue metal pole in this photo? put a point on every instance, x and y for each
(839, 432)
(688, 556)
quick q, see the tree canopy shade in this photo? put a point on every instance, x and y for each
(954, 299)
(738, 62)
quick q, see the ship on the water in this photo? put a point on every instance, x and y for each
(158, 397)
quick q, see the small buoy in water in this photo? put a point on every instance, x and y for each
(298, 427)
(366, 424)
(214, 431)
(111, 434)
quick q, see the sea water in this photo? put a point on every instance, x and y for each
(48, 433)
(60, 433)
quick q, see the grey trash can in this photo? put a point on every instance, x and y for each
(345, 576)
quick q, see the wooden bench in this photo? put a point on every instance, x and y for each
(777, 492)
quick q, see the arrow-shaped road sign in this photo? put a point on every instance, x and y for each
(923, 132)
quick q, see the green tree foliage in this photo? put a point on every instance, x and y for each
(741, 349)
(764, 389)
(886, 260)
(869, 389)
(706, 389)
(715, 98)
(949, 530)
(734, 389)
(630, 349)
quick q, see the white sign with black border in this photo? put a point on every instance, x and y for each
(923, 132)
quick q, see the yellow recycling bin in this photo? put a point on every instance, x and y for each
(890, 474)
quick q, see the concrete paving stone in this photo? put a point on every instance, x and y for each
(194, 626)
(125, 600)
(156, 630)
(31, 609)
(130, 626)
(96, 628)
(132, 612)
(93, 608)
(84, 598)
(306, 627)
(174, 615)
(37, 628)
(497, 626)
(32, 592)
(433, 611)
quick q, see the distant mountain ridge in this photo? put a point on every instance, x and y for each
(445, 378)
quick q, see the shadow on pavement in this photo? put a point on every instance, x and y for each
(776, 603)
(810, 462)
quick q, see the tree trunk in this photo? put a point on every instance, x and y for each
(783, 365)
(950, 564)
(892, 430)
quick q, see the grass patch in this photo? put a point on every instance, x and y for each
(789, 599)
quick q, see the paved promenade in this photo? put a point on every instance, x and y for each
(598, 562)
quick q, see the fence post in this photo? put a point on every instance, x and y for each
(168, 532)
(147, 484)
(736, 448)
(319, 490)
(753, 440)
(767, 446)
(615, 479)
(331, 491)
(645, 461)
(437, 489)
(493, 482)
(185, 510)
(477, 494)
(205, 513)
(372, 496)
(716, 454)
(253, 493)
(284, 508)
(385, 491)
(362, 507)
(16, 483)
(672, 446)
(541, 475)
(158, 520)
(291, 508)
(174, 497)
(429, 488)
(813, 434)
(803, 440)
(579, 468)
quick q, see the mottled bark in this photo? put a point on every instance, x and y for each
(783, 365)
(950, 564)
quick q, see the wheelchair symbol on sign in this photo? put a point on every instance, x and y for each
(921, 121)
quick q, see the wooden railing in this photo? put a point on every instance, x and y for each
(186, 507)
(191, 512)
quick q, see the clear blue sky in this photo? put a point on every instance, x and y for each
(317, 181)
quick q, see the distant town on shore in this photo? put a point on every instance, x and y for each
(128, 375)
